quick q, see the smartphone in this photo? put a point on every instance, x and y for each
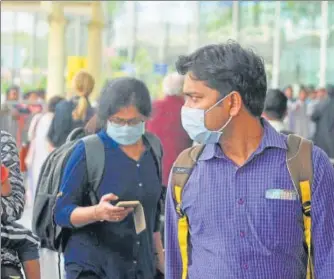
(128, 204)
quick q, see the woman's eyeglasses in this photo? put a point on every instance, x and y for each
(123, 122)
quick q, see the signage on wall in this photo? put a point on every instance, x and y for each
(160, 69)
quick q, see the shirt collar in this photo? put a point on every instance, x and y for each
(109, 142)
(271, 139)
(277, 125)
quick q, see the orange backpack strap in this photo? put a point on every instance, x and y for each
(299, 162)
(181, 172)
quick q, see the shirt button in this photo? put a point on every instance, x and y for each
(241, 201)
(246, 266)
(140, 184)
(134, 262)
(138, 165)
(138, 242)
(242, 234)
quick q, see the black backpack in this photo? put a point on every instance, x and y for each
(52, 236)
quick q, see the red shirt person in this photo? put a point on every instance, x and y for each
(166, 122)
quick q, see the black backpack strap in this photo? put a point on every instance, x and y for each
(155, 144)
(75, 134)
(95, 160)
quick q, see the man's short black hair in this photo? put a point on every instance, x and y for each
(276, 104)
(226, 68)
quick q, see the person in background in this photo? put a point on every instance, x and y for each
(275, 110)
(288, 91)
(323, 116)
(312, 102)
(39, 147)
(166, 122)
(131, 173)
(10, 110)
(41, 94)
(322, 94)
(73, 113)
(290, 117)
(235, 229)
(34, 99)
(13, 93)
(301, 119)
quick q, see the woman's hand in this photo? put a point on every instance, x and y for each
(105, 211)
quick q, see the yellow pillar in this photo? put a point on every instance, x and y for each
(94, 58)
(56, 50)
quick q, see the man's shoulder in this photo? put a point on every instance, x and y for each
(319, 158)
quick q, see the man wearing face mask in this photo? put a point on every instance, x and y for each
(236, 230)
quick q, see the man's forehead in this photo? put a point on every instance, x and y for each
(191, 83)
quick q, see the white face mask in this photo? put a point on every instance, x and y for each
(193, 121)
(125, 134)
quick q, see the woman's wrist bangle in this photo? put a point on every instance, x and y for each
(95, 213)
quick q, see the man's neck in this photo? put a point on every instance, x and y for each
(240, 141)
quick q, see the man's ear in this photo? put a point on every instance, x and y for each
(235, 103)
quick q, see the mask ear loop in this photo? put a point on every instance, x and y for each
(216, 104)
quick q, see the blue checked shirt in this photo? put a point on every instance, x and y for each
(238, 231)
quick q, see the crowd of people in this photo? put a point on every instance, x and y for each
(311, 115)
(232, 206)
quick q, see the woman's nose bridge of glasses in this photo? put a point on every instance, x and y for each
(130, 122)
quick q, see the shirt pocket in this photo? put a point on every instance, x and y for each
(285, 222)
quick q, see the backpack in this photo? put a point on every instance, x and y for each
(11, 272)
(51, 235)
(299, 163)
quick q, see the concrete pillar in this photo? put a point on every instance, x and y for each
(235, 20)
(78, 36)
(323, 43)
(33, 47)
(56, 51)
(163, 48)
(276, 47)
(94, 58)
(15, 51)
(194, 27)
(133, 21)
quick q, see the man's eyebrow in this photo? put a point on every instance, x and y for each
(191, 93)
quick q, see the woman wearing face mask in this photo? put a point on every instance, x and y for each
(103, 241)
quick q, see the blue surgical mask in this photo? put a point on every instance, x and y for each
(193, 121)
(125, 134)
